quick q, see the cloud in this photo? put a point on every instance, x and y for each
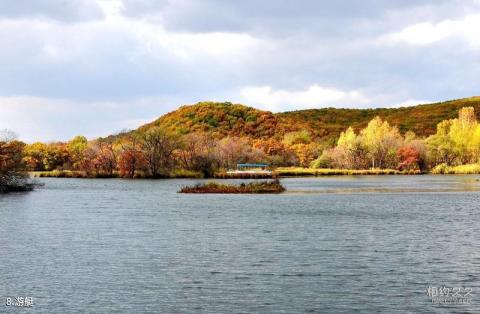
(65, 11)
(427, 33)
(272, 17)
(314, 96)
(412, 102)
(145, 57)
(50, 119)
(118, 58)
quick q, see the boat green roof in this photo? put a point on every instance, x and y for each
(251, 165)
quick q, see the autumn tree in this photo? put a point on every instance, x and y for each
(11, 177)
(10, 152)
(191, 146)
(34, 156)
(197, 153)
(77, 147)
(276, 151)
(409, 158)
(233, 150)
(376, 146)
(297, 137)
(158, 146)
(440, 145)
(381, 142)
(130, 156)
(352, 151)
(456, 141)
(39, 156)
(474, 144)
(461, 133)
(56, 156)
(106, 156)
(300, 142)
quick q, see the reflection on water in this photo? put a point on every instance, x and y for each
(328, 245)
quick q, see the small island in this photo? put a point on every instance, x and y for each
(261, 187)
(15, 183)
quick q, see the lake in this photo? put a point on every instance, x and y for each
(328, 245)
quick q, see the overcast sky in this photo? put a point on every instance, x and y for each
(95, 67)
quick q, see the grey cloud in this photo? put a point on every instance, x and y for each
(62, 10)
(296, 45)
(293, 17)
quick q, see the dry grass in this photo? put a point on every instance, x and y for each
(180, 173)
(462, 169)
(296, 171)
(68, 174)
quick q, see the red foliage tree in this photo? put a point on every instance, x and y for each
(131, 158)
(409, 158)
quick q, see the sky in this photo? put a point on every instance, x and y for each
(96, 67)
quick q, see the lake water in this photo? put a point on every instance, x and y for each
(330, 245)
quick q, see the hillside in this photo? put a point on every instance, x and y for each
(222, 119)
(421, 119)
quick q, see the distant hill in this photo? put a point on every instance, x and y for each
(227, 119)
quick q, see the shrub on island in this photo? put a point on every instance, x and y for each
(262, 187)
(16, 182)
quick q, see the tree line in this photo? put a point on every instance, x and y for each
(380, 145)
(154, 153)
(157, 152)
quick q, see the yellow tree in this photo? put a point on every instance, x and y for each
(34, 155)
(381, 142)
(350, 150)
(347, 139)
(474, 145)
(76, 148)
(461, 133)
(303, 147)
(440, 147)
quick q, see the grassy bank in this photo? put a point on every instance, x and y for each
(279, 172)
(463, 169)
(186, 174)
(180, 173)
(68, 174)
(272, 187)
(295, 171)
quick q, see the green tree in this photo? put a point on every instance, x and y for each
(77, 147)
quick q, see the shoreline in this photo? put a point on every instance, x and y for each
(293, 173)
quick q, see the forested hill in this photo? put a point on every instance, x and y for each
(222, 119)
